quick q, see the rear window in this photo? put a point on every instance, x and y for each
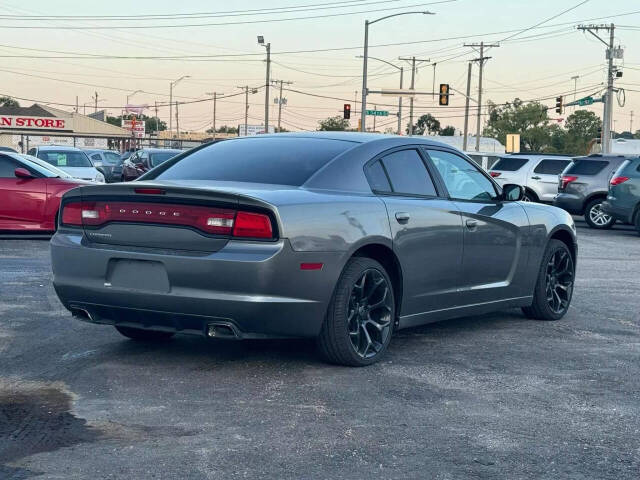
(281, 161)
(586, 167)
(508, 164)
(551, 167)
(65, 159)
(161, 157)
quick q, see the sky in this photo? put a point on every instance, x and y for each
(540, 51)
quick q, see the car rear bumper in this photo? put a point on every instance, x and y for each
(257, 288)
(569, 202)
(621, 214)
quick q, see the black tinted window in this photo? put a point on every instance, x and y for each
(282, 161)
(586, 167)
(408, 173)
(161, 157)
(377, 178)
(7, 167)
(551, 167)
(508, 164)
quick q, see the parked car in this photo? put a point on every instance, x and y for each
(537, 173)
(30, 194)
(70, 159)
(7, 149)
(623, 200)
(485, 159)
(345, 237)
(144, 160)
(108, 162)
(584, 185)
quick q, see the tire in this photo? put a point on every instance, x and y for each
(141, 335)
(529, 197)
(360, 317)
(595, 217)
(551, 279)
(637, 222)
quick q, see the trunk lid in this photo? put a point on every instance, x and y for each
(163, 216)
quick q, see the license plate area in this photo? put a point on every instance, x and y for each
(143, 275)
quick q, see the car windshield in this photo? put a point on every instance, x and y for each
(280, 161)
(62, 158)
(585, 167)
(161, 157)
(509, 164)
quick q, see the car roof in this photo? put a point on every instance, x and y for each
(536, 154)
(150, 149)
(599, 156)
(59, 147)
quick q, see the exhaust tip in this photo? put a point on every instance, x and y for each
(81, 313)
(221, 330)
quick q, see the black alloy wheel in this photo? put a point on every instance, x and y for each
(554, 288)
(369, 318)
(361, 315)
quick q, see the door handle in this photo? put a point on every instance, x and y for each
(402, 217)
(471, 224)
(535, 178)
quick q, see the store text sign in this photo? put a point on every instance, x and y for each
(33, 123)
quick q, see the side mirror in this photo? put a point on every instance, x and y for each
(22, 173)
(512, 192)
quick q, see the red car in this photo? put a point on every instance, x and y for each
(30, 192)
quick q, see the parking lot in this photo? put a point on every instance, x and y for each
(497, 396)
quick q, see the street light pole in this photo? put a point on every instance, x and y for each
(131, 95)
(363, 114)
(215, 98)
(266, 83)
(399, 97)
(171, 85)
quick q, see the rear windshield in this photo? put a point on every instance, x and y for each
(281, 161)
(586, 167)
(112, 158)
(508, 164)
(65, 159)
(161, 157)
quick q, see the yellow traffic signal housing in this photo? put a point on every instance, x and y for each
(444, 94)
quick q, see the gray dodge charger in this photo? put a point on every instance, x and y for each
(345, 237)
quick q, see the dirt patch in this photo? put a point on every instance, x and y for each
(36, 417)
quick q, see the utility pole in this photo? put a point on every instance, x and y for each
(631, 123)
(466, 109)
(281, 82)
(608, 100)
(157, 120)
(375, 107)
(266, 90)
(246, 109)
(575, 88)
(413, 61)
(76, 104)
(178, 124)
(433, 88)
(481, 60)
(215, 98)
(400, 103)
(95, 105)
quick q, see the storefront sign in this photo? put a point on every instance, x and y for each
(136, 127)
(22, 122)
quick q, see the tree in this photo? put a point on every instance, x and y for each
(225, 129)
(581, 127)
(426, 123)
(448, 131)
(530, 120)
(333, 124)
(9, 102)
(152, 124)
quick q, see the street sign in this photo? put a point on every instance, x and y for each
(585, 101)
(378, 113)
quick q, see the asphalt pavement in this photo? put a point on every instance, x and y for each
(491, 397)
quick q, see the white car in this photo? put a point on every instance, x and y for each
(69, 159)
(536, 172)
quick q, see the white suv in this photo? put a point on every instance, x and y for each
(537, 173)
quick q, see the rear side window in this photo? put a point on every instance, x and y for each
(408, 174)
(378, 178)
(509, 164)
(7, 167)
(551, 167)
(280, 161)
(586, 167)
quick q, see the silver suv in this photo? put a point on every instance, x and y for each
(537, 173)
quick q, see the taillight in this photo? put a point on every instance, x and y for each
(618, 180)
(218, 221)
(566, 180)
(494, 174)
(254, 225)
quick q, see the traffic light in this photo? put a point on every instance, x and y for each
(444, 94)
(599, 137)
(558, 104)
(347, 111)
